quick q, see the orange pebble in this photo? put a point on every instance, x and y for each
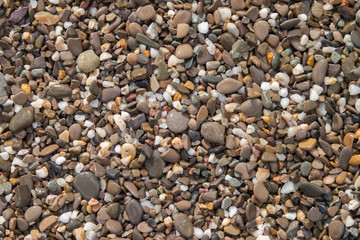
(25, 88)
(310, 61)
(266, 119)
(348, 139)
(147, 53)
(334, 164)
(123, 43)
(62, 74)
(357, 133)
(269, 56)
(189, 85)
(200, 88)
(177, 96)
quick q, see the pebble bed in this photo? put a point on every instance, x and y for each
(194, 119)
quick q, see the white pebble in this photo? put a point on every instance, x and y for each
(284, 102)
(303, 17)
(42, 172)
(349, 222)
(232, 211)
(61, 182)
(203, 27)
(298, 69)
(60, 160)
(283, 92)
(265, 86)
(328, 7)
(354, 89)
(288, 188)
(314, 96)
(357, 105)
(79, 167)
(5, 155)
(304, 39)
(65, 217)
(264, 12)
(282, 77)
(290, 215)
(198, 233)
(89, 226)
(297, 98)
(225, 13)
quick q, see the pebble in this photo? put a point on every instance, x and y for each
(213, 132)
(171, 156)
(183, 225)
(261, 30)
(336, 229)
(87, 185)
(319, 71)
(22, 120)
(114, 227)
(177, 122)
(251, 107)
(88, 61)
(47, 222)
(59, 91)
(22, 196)
(184, 51)
(155, 165)
(134, 211)
(228, 86)
(344, 157)
(146, 13)
(182, 30)
(46, 18)
(260, 191)
(32, 213)
(311, 189)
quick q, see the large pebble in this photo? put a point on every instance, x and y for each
(184, 51)
(177, 122)
(213, 132)
(344, 157)
(33, 213)
(183, 225)
(87, 185)
(261, 29)
(311, 189)
(46, 18)
(146, 13)
(260, 191)
(134, 211)
(114, 226)
(251, 107)
(155, 165)
(88, 61)
(228, 86)
(22, 120)
(319, 71)
(59, 91)
(336, 229)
